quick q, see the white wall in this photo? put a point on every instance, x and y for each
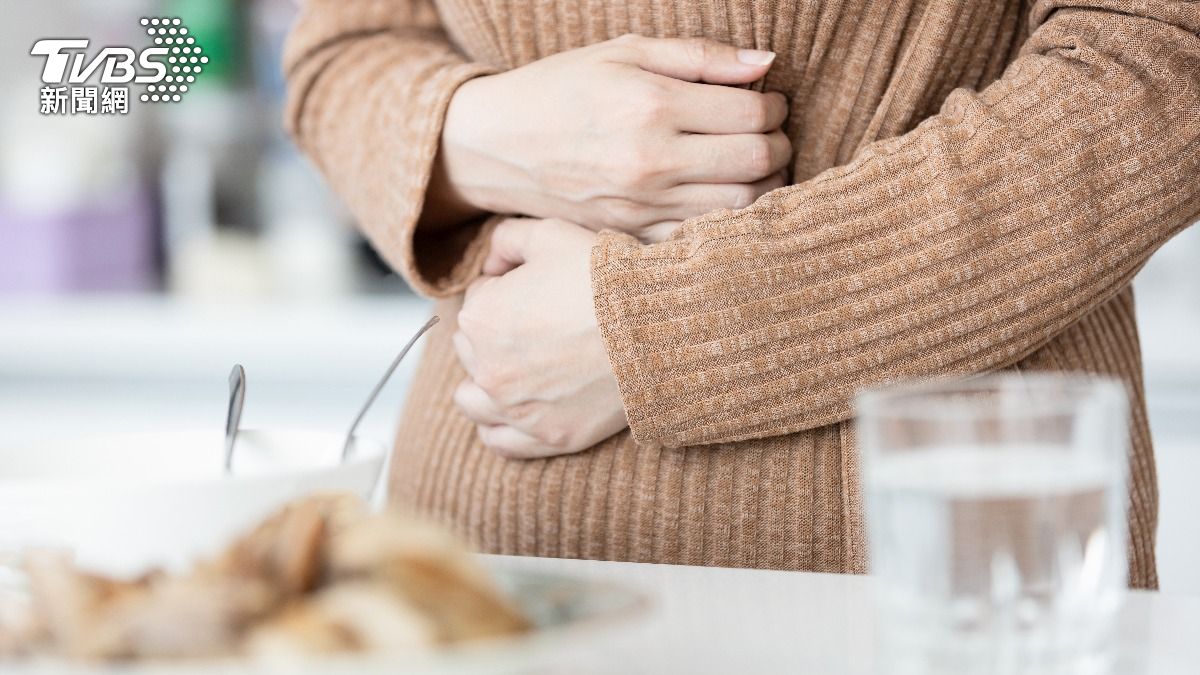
(1168, 304)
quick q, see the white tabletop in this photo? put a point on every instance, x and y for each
(719, 620)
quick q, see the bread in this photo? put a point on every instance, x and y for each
(322, 575)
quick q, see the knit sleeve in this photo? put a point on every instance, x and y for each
(955, 249)
(368, 86)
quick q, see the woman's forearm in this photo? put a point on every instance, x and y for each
(367, 92)
(958, 248)
(617, 135)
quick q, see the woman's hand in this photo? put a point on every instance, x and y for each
(539, 381)
(623, 134)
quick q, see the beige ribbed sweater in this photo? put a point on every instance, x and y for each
(975, 184)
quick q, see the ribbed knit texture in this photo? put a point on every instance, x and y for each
(975, 183)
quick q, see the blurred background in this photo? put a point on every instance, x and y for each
(142, 255)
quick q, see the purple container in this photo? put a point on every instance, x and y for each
(106, 245)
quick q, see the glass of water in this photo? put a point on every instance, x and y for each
(996, 523)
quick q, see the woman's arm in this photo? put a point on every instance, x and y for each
(958, 248)
(368, 85)
(634, 133)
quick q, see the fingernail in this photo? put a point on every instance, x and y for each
(755, 57)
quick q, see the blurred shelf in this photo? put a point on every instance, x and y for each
(81, 366)
(154, 337)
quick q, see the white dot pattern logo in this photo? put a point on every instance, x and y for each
(170, 33)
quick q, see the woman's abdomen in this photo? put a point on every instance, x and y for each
(786, 503)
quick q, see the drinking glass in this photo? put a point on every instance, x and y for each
(996, 523)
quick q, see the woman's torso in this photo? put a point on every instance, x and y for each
(855, 71)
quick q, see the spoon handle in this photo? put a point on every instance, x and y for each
(382, 381)
(233, 418)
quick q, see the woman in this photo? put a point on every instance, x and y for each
(677, 388)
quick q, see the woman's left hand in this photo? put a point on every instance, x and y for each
(539, 381)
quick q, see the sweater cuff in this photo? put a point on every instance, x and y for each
(436, 263)
(614, 322)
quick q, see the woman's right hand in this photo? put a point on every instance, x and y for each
(633, 134)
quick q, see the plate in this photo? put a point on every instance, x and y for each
(575, 619)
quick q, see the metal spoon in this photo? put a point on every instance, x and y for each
(237, 397)
(382, 381)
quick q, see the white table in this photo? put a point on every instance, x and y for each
(718, 620)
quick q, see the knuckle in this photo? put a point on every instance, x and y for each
(744, 195)
(627, 47)
(698, 50)
(460, 394)
(493, 381)
(468, 320)
(522, 411)
(484, 433)
(554, 437)
(623, 179)
(489, 439)
(757, 113)
(647, 102)
(642, 166)
(785, 143)
(656, 103)
(620, 213)
(758, 155)
(781, 105)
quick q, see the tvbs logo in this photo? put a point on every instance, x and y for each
(116, 61)
(168, 68)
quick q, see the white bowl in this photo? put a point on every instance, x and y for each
(127, 504)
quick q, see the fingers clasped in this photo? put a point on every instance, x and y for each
(506, 424)
(539, 382)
